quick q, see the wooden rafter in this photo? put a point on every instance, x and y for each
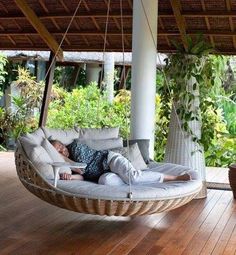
(28, 38)
(228, 6)
(126, 14)
(78, 28)
(87, 14)
(42, 3)
(119, 28)
(126, 33)
(208, 23)
(130, 4)
(64, 6)
(12, 41)
(85, 5)
(166, 36)
(55, 24)
(176, 7)
(40, 28)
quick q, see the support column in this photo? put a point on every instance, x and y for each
(47, 91)
(92, 72)
(109, 69)
(143, 83)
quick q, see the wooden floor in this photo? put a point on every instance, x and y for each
(217, 174)
(31, 226)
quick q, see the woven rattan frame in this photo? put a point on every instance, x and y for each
(33, 181)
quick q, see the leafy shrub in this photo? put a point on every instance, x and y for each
(229, 111)
(86, 107)
(20, 118)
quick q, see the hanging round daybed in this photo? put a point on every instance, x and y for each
(93, 198)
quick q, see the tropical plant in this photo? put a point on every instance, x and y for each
(21, 118)
(86, 107)
(3, 73)
(185, 78)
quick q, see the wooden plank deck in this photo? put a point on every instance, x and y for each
(31, 226)
(217, 174)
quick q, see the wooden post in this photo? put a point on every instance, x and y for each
(47, 90)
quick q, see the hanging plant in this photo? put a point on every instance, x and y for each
(185, 72)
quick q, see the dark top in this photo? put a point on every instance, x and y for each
(96, 160)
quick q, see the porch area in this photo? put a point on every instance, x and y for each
(31, 226)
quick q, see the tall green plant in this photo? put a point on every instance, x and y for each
(188, 63)
(20, 118)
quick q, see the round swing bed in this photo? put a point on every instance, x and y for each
(93, 198)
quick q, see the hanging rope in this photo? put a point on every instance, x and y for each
(167, 83)
(126, 103)
(63, 38)
(103, 60)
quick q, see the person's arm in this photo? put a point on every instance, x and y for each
(76, 170)
(65, 176)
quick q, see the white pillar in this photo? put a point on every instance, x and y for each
(143, 83)
(109, 69)
(92, 72)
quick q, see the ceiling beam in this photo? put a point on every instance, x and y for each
(207, 23)
(40, 28)
(118, 32)
(77, 48)
(88, 14)
(176, 7)
(126, 14)
(231, 23)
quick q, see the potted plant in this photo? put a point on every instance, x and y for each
(184, 77)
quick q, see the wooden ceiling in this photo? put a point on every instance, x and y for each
(41, 24)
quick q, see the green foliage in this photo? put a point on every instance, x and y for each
(218, 144)
(86, 107)
(194, 46)
(11, 70)
(31, 91)
(229, 111)
(64, 76)
(221, 152)
(3, 73)
(20, 118)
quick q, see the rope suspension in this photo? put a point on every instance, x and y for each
(126, 103)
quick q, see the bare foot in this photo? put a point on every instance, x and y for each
(184, 177)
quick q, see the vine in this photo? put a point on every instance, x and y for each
(188, 65)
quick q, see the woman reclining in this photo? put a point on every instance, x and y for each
(104, 161)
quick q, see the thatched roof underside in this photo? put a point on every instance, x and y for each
(216, 20)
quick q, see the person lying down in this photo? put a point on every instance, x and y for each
(100, 162)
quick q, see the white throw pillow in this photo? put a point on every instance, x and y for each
(65, 136)
(35, 138)
(55, 155)
(42, 162)
(103, 144)
(98, 133)
(134, 155)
